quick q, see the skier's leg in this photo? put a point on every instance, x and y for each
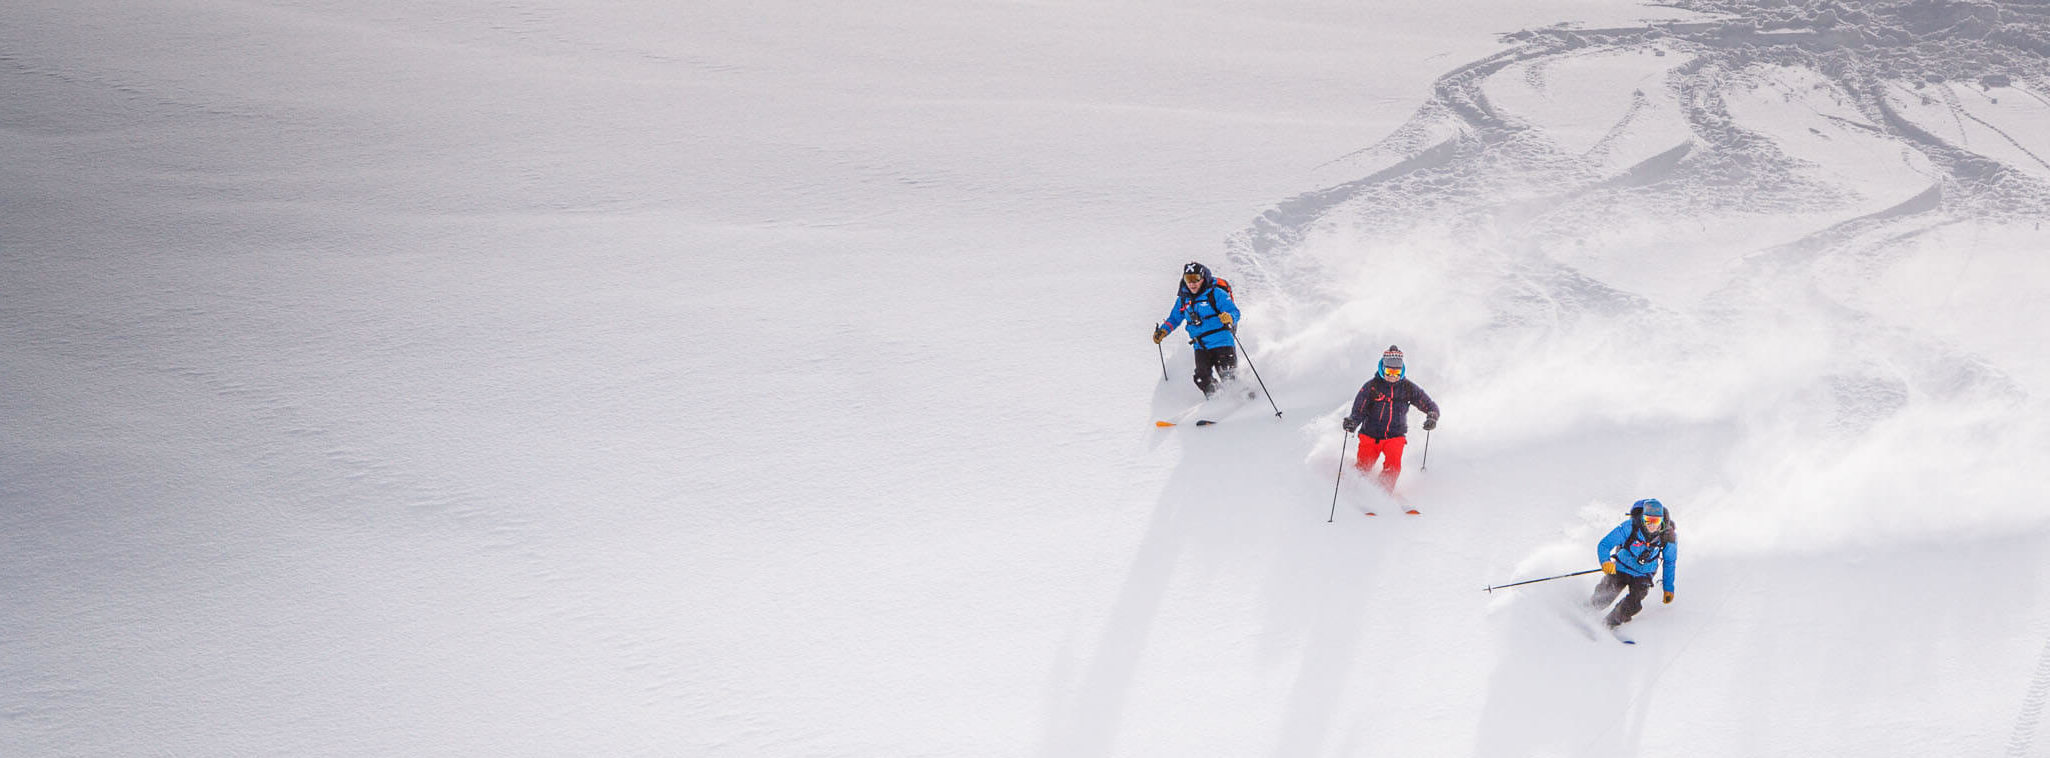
(1392, 467)
(1206, 362)
(1633, 601)
(1369, 451)
(1227, 362)
(1605, 591)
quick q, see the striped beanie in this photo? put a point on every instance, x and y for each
(1392, 357)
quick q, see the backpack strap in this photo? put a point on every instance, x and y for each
(1217, 283)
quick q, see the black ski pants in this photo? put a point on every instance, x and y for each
(1222, 361)
(1633, 601)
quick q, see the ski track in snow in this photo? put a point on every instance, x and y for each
(2030, 718)
(1734, 168)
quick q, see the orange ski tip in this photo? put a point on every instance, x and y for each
(1163, 423)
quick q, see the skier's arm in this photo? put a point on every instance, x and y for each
(1423, 402)
(1607, 548)
(1359, 407)
(1227, 304)
(1174, 314)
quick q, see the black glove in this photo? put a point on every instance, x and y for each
(1351, 425)
(1430, 423)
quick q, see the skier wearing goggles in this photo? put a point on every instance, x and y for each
(1380, 415)
(1634, 551)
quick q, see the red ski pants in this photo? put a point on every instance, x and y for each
(1372, 449)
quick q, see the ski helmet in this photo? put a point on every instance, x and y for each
(1650, 514)
(1392, 368)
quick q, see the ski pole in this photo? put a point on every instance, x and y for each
(1425, 464)
(1341, 477)
(1256, 372)
(1546, 579)
(1163, 369)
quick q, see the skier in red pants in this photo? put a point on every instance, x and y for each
(1380, 415)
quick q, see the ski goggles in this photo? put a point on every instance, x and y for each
(1193, 278)
(1652, 523)
(1391, 373)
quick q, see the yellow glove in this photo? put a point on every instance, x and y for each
(1158, 335)
(1669, 598)
(1226, 318)
(1609, 567)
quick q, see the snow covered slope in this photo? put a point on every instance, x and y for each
(749, 379)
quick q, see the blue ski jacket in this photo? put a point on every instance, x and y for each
(1381, 409)
(1640, 554)
(1200, 309)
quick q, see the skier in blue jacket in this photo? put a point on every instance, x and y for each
(1632, 552)
(1204, 301)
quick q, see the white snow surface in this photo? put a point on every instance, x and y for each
(770, 378)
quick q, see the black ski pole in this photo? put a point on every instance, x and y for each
(1341, 477)
(1256, 372)
(1546, 579)
(1163, 368)
(1425, 464)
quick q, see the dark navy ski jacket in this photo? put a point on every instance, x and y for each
(1637, 554)
(1382, 409)
(1200, 309)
